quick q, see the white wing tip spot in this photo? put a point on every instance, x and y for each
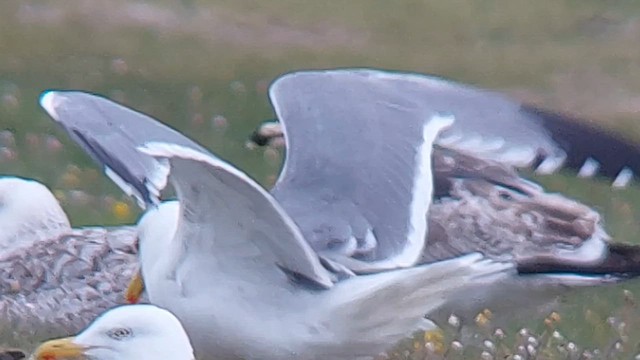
(49, 100)
(589, 168)
(551, 164)
(623, 179)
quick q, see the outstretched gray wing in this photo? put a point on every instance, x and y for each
(110, 133)
(492, 126)
(357, 175)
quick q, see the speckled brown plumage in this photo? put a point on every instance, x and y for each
(58, 285)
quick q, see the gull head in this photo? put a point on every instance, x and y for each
(130, 332)
(28, 212)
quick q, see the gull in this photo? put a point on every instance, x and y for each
(129, 332)
(354, 213)
(55, 279)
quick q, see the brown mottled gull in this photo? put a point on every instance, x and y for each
(54, 279)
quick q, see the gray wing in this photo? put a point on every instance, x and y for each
(232, 223)
(492, 126)
(359, 201)
(110, 133)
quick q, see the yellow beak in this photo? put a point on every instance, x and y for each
(56, 349)
(135, 288)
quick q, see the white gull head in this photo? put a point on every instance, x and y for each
(140, 332)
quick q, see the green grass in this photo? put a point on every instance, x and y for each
(579, 56)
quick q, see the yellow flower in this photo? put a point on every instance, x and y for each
(121, 210)
(436, 339)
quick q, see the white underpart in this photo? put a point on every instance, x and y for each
(624, 177)
(589, 168)
(158, 245)
(551, 163)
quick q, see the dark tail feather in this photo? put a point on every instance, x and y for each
(621, 261)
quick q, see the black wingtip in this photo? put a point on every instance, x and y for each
(613, 156)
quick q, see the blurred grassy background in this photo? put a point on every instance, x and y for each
(204, 67)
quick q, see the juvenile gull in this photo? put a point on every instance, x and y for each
(133, 332)
(55, 279)
(336, 189)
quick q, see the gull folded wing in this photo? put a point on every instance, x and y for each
(232, 222)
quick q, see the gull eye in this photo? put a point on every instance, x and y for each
(505, 195)
(119, 333)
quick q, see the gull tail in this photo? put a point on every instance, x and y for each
(383, 308)
(618, 262)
